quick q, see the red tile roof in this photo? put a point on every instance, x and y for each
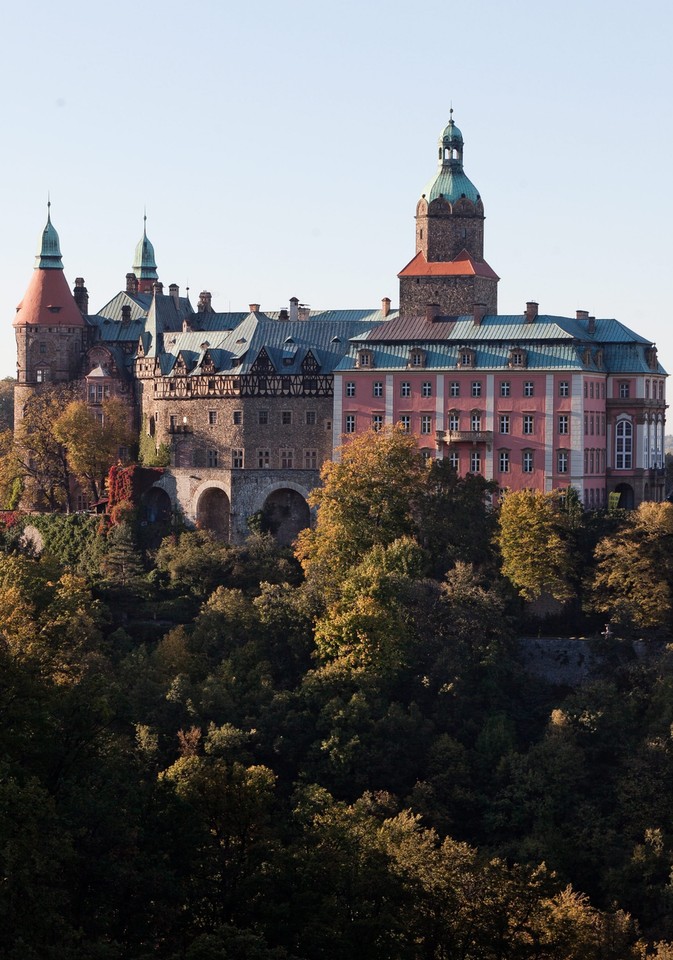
(464, 265)
(48, 302)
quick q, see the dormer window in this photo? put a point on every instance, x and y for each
(365, 358)
(518, 358)
(417, 358)
(466, 357)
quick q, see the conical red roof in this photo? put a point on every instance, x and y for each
(48, 302)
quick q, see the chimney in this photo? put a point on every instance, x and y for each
(431, 312)
(283, 314)
(157, 287)
(591, 325)
(478, 313)
(131, 283)
(81, 295)
(126, 313)
(294, 308)
(253, 307)
(581, 314)
(174, 291)
(385, 306)
(205, 302)
(531, 311)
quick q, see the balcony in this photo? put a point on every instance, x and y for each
(465, 436)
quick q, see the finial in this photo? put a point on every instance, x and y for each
(48, 206)
(144, 220)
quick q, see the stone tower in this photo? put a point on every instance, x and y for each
(51, 332)
(449, 270)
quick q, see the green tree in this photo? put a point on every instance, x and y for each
(93, 445)
(42, 457)
(633, 583)
(533, 539)
(366, 500)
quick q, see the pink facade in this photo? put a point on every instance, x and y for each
(522, 428)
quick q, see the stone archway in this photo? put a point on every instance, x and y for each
(157, 505)
(213, 512)
(284, 514)
(626, 496)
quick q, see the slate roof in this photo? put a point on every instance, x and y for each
(550, 342)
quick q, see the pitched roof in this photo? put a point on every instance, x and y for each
(464, 265)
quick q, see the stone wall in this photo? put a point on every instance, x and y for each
(453, 295)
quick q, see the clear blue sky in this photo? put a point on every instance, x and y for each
(280, 147)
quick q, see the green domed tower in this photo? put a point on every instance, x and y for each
(449, 240)
(144, 262)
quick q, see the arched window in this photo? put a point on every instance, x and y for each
(624, 445)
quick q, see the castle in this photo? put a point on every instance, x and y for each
(249, 404)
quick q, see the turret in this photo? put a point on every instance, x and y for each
(144, 263)
(450, 213)
(49, 326)
(449, 269)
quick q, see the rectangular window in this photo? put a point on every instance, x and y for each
(528, 423)
(212, 417)
(377, 388)
(454, 460)
(236, 459)
(349, 422)
(591, 390)
(476, 422)
(624, 390)
(503, 461)
(262, 417)
(528, 388)
(454, 389)
(527, 461)
(92, 393)
(405, 388)
(310, 418)
(505, 388)
(475, 462)
(504, 423)
(564, 388)
(286, 459)
(350, 388)
(426, 389)
(426, 423)
(377, 421)
(310, 459)
(211, 458)
(563, 423)
(172, 422)
(476, 388)
(454, 421)
(41, 375)
(263, 459)
(238, 416)
(591, 424)
(562, 461)
(286, 418)
(405, 422)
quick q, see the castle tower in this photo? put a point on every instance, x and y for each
(449, 269)
(144, 263)
(50, 329)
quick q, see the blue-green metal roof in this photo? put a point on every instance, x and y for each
(49, 252)
(451, 184)
(144, 263)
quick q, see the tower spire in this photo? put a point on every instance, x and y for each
(144, 262)
(49, 252)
